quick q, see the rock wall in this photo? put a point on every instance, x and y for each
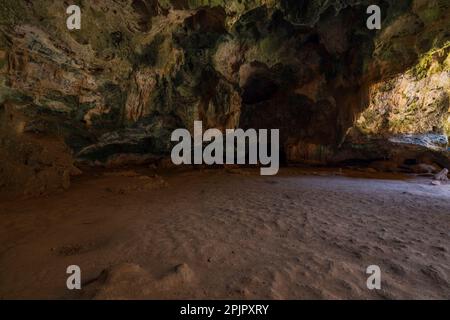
(31, 164)
(414, 102)
(138, 69)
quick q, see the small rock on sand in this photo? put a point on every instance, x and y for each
(131, 281)
(442, 176)
(124, 281)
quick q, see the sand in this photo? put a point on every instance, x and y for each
(229, 234)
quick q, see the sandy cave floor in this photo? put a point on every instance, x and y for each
(218, 234)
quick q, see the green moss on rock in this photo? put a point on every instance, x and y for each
(434, 61)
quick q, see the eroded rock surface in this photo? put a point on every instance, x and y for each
(31, 164)
(114, 90)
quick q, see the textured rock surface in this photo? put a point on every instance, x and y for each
(138, 69)
(31, 164)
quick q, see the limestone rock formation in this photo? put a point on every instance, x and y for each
(31, 164)
(138, 69)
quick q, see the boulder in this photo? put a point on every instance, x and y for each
(442, 175)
